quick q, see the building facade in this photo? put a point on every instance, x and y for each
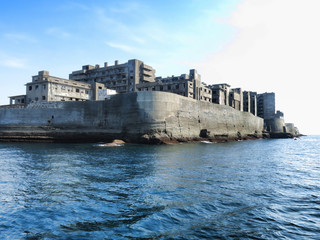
(185, 85)
(220, 93)
(250, 102)
(46, 88)
(236, 99)
(224, 95)
(98, 83)
(120, 77)
(266, 105)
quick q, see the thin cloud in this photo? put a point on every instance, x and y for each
(126, 7)
(14, 63)
(20, 37)
(58, 32)
(122, 47)
(74, 5)
(119, 29)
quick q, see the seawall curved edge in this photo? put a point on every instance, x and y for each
(148, 117)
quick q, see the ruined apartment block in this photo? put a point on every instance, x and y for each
(120, 77)
(250, 102)
(220, 93)
(98, 83)
(49, 88)
(266, 105)
(185, 85)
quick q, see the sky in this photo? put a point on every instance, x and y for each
(258, 45)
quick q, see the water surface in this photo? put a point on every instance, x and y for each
(261, 189)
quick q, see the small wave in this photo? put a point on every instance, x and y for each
(108, 145)
(206, 142)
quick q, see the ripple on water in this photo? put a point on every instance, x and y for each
(266, 189)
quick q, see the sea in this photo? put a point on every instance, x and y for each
(254, 189)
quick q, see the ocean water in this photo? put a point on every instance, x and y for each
(255, 189)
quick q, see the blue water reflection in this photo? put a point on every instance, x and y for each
(263, 189)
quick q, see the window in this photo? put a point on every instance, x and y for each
(44, 86)
(30, 88)
(43, 97)
(77, 90)
(37, 86)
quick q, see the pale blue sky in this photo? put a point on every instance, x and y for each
(261, 46)
(63, 36)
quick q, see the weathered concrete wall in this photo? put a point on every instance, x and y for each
(136, 117)
(275, 125)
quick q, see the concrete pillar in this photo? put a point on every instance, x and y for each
(254, 104)
(241, 99)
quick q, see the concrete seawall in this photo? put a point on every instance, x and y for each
(148, 117)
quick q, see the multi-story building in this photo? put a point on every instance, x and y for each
(120, 77)
(220, 93)
(236, 99)
(266, 105)
(250, 102)
(97, 83)
(184, 85)
(49, 88)
(242, 101)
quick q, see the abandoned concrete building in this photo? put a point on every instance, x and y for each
(234, 97)
(98, 83)
(184, 85)
(266, 105)
(120, 77)
(250, 102)
(220, 93)
(49, 88)
(273, 120)
(95, 83)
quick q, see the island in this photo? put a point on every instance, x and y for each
(127, 102)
